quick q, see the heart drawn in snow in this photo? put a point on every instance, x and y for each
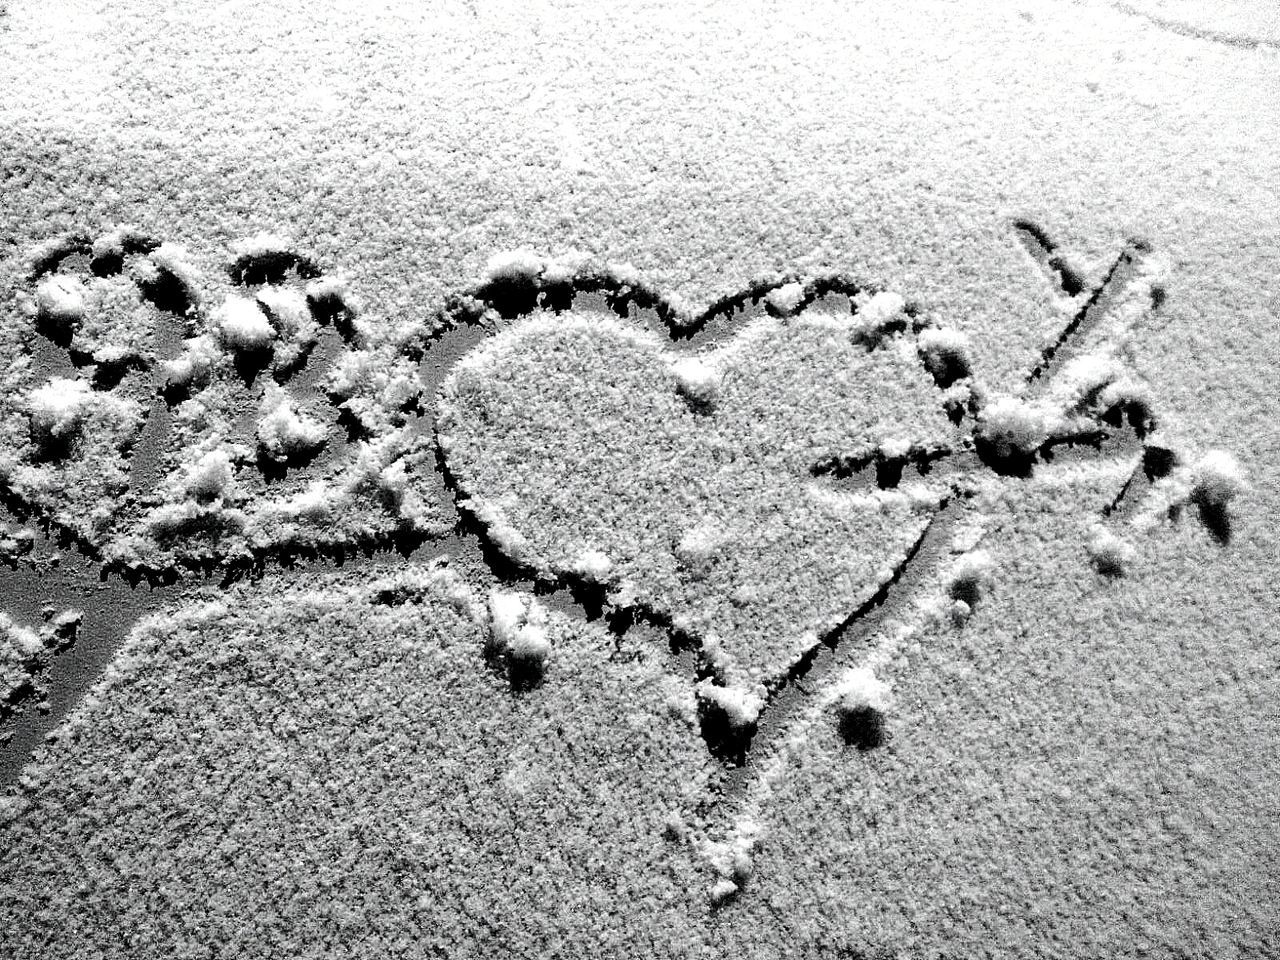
(687, 484)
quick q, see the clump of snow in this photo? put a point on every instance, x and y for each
(895, 448)
(968, 536)
(697, 380)
(860, 689)
(314, 503)
(518, 630)
(328, 296)
(1013, 427)
(1099, 381)
(60, 301)
(882, 308)
(395, 482)
(1111, 555)
(974, 566)
(62, 627)
(290, 316)
(1087, 374)
(25, 655)
(174, 259)
(57, 409)
(513, 266)
(211, 477)
(326, 289)
(22, 653)
(506, 613)
(530, 644)
(263, 244)
(861, 701)
(15, 543)
(282, 432)
(733, 860)
(740, 707)
(565, 268)
(172, 519)
(20, 643)
(593, 565)
(287, 306)
(194, 366)
(351, 372)
(697, 548)
(1216, 479)
(945, 352)
(511, 282)
(786, 299)
(113, 244)
(969, 579)
(504, 536)
(1126, 391)
(372, 385)
(722, 891)
(243, 325)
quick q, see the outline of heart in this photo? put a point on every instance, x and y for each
(738, 438)
(520, 284)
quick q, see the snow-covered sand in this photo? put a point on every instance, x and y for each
(849, 532)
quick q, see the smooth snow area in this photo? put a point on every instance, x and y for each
(254, 255)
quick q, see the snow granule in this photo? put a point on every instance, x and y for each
(57, 408)
(861, 689)
(19, 643)
(175, 260)
(696, 380)
(593, 565)
(861, 702)
(946, 353)
(970, 576)
(698, 547)
(1111, 555)
(328, 295)
(882, 308)
(194, 366)
(786, 299)
(506, 614)
(530, 643)
(211, 477)
(60, 301)
(243, 325)
(514, 266)
(263, 244)
(282, 432)
(518, 629)
(287, 306)
(1014, 426)
(1216, 479)
(1126, 391)
(722, 891)
(1089, 372)
(740, 707)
